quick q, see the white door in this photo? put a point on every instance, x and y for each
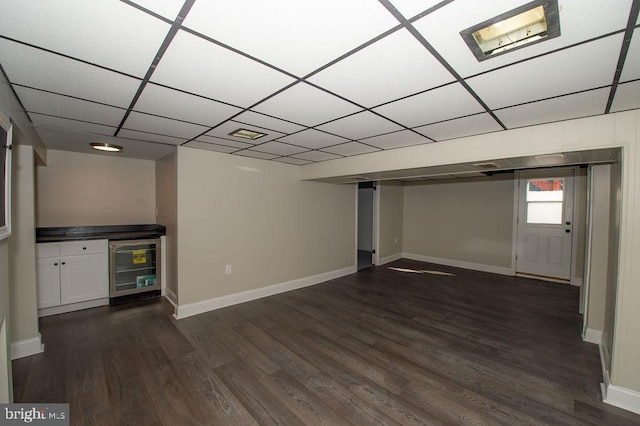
(545, 224)
(48, 282)
(84, 278)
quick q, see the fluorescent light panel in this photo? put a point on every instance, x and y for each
(532, 23)
(247, 134)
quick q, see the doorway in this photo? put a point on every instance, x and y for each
(366, 220)
(545, 224)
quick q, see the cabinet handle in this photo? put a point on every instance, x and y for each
(64, 263)
(55, 264)
(84, 248)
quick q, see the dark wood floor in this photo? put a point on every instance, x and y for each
(376, 347)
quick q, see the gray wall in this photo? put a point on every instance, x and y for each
(167, 206)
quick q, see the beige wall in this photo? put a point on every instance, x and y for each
(77, 189)
(615, 191)
(391, 198)
(22, 258)
(599, 256)
(260, 218)
(469, 220)
(167, 205)
(6, 387)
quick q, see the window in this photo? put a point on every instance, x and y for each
(545, 201)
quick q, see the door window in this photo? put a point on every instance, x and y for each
(544, 199)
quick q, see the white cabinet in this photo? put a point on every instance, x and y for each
(72, 275)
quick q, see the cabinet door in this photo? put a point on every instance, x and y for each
(83, 278)
(48, 282)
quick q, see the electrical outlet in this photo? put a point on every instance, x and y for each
(227, 269)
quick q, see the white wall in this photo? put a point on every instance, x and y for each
(167, 205)
(467, 220)
(260, 218)
(22, 257)
(390, 233)
(76, 189)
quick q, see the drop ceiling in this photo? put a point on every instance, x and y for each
(323, 79)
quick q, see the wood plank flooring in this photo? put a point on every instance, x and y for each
(377, 347)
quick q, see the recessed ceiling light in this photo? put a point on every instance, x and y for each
(532, 23)
(107, 147)
(247, 134)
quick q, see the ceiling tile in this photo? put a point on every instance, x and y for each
(410, 8)
(306, 105)
(466, 126)
(298, 37)
(397, 66)
(43, 70)
(360, 125)
(107, 33)
(631, 69)
(162, 126)
(397, 140)
(225, 142)
(71, 125)
(256, 154)
(627, 97)
(444, 103)
(294, 161)
(183, 106)
(313, 139)
(79, 142)
(224, 129)
(267, 122)
(210, 146)
(279, 148)
(316, 156)
(579, 20)
(150, 137)
(563, 108)
(216, 72)
(551, 74)
(64, 106)
(351, 148)
(167, 8)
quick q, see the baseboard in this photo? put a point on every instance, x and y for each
(27, 347)
(184, 311)
(63, 309)
(592, 336)
(171, 296)
(389, 259)
(460, 264)
(576, 281)
(626, 399)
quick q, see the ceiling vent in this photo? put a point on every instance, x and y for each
(486, 166)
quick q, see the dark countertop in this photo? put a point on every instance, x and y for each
(107, 232)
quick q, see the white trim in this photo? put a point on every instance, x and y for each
(604, 361)
(388, 259)
(592, 336)
(190, 309)
(516, 211)
(624, 398)
(171, 296)
(376, 222)
(576, 281)
(62, 309)
(163, 264)
(27, 347)
(460, 264)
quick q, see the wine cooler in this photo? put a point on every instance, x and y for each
(134, 267)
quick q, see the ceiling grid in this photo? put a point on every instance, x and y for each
(323, 79)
